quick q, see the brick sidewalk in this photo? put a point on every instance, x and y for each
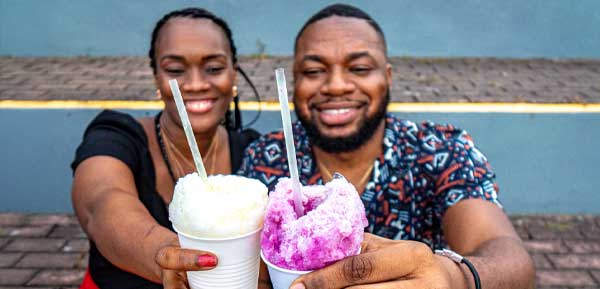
(49, 250)
(415, 79)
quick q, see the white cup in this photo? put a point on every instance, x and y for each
(238, 261)
(281, 278)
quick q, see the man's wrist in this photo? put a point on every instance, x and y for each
(457, 274)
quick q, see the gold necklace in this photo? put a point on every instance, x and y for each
(181, 165)
(362, 180)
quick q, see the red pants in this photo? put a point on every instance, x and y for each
(88, 283)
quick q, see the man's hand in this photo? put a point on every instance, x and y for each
(175, 261)
(386, 263)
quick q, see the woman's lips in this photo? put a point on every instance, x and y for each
(337, 116)
(200, 106)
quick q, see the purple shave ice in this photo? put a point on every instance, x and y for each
(331, 229)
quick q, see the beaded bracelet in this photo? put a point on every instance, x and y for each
(460, 259)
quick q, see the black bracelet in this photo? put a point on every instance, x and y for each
(460, 259)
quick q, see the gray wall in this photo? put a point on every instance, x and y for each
(490, 28)
(545, 163)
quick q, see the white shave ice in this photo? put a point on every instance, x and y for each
(233, 206)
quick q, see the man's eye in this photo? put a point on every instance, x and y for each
(361, 69)
(312, 72)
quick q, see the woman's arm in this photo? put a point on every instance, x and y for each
(106, 202)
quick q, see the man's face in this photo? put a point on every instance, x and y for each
(342, 78)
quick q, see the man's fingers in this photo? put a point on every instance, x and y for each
(399, 284)
(373, 242)
(385, 264)
(175, 258)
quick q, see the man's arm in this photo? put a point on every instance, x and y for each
(476, 228)
(480, 231)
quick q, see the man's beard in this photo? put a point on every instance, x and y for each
(365, 131)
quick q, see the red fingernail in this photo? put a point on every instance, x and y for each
(207, 260)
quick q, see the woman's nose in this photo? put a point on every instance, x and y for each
(195, 81)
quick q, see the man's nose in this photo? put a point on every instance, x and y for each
(195, 81)
(337, 83)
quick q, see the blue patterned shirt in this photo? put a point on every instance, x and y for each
(422, 171)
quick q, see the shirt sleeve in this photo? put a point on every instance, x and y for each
(112, 134)
(459, 169)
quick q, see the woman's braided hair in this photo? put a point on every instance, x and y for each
(231, 122)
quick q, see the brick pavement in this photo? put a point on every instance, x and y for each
(50, 250)
(415, 79)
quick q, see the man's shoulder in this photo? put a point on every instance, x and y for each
(410, 131)
(269, 139)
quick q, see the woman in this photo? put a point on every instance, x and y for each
(125, 169)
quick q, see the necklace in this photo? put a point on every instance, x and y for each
(178, 164)
(360, 183)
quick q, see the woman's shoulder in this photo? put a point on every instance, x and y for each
(111, 119)
(115, 134)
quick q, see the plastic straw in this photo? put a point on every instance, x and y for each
(289, 140)
(187, 127)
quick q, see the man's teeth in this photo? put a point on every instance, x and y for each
(336, 111)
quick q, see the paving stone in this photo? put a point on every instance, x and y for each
(541, 261)
(571, 261)
(596, 275)
(15, 276)
(58, 278)
(11, 219)
(52, 219)
(34, 245)
(82, 245)
(553, 230)
(27, 231)
(29, 287)
(9, 259)
(53, 260)
(3, 241)
(457, 79)
(68, 232)
(563, 278)
(550, 246)
(587, 246)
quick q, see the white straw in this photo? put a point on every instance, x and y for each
(289, 140)
(187, 127)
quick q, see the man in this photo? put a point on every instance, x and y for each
(426, 183)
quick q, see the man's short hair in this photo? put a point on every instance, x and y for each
(342, 10)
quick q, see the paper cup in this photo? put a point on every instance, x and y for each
(238, 263)
(281, 278)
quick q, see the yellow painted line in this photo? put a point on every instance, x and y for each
(81, 104)
(444, 107)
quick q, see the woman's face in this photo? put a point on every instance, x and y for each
(196, 52)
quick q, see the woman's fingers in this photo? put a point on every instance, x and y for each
(174, 280)
(175, 258)
(387, 263)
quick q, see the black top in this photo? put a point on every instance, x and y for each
(120, 136)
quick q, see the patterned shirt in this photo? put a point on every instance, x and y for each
(422, 171)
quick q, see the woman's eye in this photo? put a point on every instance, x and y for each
(215, 69)
(174, 70)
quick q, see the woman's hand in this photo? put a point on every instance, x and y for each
(175, 261)
(385, 263)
